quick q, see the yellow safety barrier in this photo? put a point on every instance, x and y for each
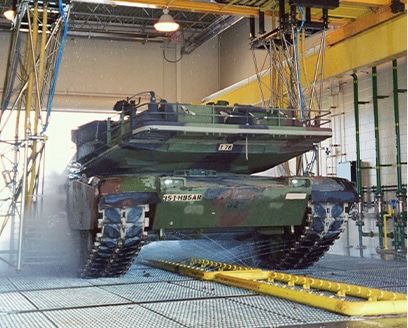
(324, 294)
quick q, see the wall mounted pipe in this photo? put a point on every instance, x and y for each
(397, 129)
(401, 198)
(386, 216)
(379, 193)
(384, 188)
(360, 218)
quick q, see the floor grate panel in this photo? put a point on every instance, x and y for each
(111, 317)
(220, 313)
(14, 301)
(211, 289)
(46, 282)
(26, 320)
(155, 292)
(144, 275)
(149, 297)
(70, 298)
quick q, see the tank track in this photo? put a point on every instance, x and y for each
(324, 224)
(117, 242)
(121, 235)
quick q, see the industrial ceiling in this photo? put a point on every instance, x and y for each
(199, 20)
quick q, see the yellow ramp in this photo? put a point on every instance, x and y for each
(341, 298)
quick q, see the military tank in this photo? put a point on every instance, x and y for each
(164, 171)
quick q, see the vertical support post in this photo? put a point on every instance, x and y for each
(23, 207)
(252, 27)
(261, 22)
(109, 133)
(281, 14)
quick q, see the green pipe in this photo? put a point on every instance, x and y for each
(359, 221)
(379, 194)
(397, 128)
(400, 242)
(376, 132)
(357, 123)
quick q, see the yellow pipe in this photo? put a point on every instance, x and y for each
(41, 65)
(38, 104)
(31, 171)
(32, 41)
(385, 217)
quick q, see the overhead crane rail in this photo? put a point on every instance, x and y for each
(338, 297)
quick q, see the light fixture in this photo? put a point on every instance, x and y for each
(11, 13)
(166, 23)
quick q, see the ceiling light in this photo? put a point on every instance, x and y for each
(11, 13)
(166, 23)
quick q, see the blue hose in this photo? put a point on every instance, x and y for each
(302, 99)
(57, 65)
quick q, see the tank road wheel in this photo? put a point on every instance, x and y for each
(117, 241)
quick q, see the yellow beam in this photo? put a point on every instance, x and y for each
(375, 46)
(350, 51)
(366, 3)
(365, 23)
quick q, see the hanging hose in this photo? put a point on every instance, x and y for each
(309, 165)
(296, 54)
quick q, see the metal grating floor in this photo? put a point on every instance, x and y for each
(149, 297)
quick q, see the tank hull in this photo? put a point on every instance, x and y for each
(185, 172)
